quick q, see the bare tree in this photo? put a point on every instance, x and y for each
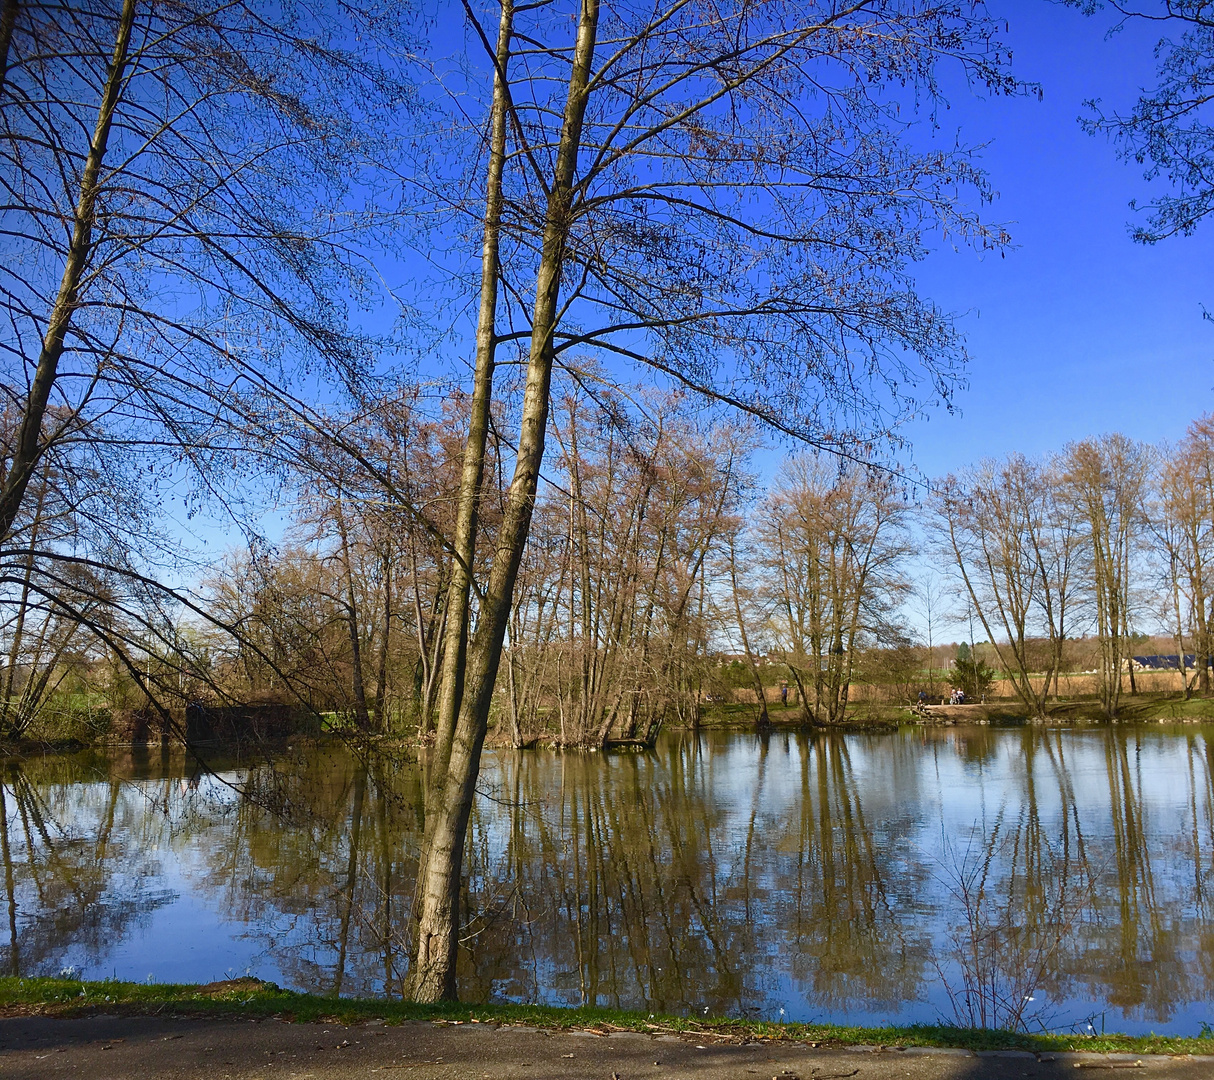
(1012, 544)
(676, 191)
(606, 630)
(1103, 482)
(1168, 131)
(1169, 514)
(1186, 518)
(930, 602)
(743, 597)
(180, 215)
(833, 545)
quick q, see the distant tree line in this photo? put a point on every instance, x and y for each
(654, 551)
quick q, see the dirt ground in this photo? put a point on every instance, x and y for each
(101, 1047)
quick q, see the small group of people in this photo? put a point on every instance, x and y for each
(957, 697)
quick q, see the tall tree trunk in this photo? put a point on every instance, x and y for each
(1125, 636)
(361, 715)
(29, 446)
(455, 649)
(433, 975)
(1201, 636)
(381, 667)
(1184, 675)
(760, 693)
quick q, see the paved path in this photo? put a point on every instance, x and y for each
(101, 1047)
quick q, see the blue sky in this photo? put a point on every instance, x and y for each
(1078, 330)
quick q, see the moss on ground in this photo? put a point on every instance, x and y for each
(247, 998)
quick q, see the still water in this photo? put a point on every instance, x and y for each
(1063, 875)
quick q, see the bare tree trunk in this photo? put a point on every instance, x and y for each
(433, 974)
(9, 724)
(8, 21)
(1125, 636)
(455, 649)
(760, 693)
(1184, 676)
(1201, 639)
(381, 673)
(29, 446)
(516, 731)
(361, 715)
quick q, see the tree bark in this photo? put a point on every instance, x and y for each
(433, 974)
(464, 546)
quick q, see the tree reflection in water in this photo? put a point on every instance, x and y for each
(80, 870)
(737, 873)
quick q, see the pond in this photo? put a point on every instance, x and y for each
(1056, 878)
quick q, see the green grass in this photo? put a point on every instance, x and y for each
(1142, 708)
(247, 998)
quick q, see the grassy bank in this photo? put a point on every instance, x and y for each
(248, 998)
(1134, 709)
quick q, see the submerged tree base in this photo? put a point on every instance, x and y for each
(247, 998)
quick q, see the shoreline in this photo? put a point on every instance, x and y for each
(250, 998)
(1139, 712)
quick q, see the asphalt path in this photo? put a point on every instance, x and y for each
(180, 1048)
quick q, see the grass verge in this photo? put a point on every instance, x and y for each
(249, 998)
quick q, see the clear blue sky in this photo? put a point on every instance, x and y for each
(1078, 330)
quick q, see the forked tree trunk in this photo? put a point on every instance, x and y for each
(432, 977)
(456, 610)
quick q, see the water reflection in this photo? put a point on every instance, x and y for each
(822, 874)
